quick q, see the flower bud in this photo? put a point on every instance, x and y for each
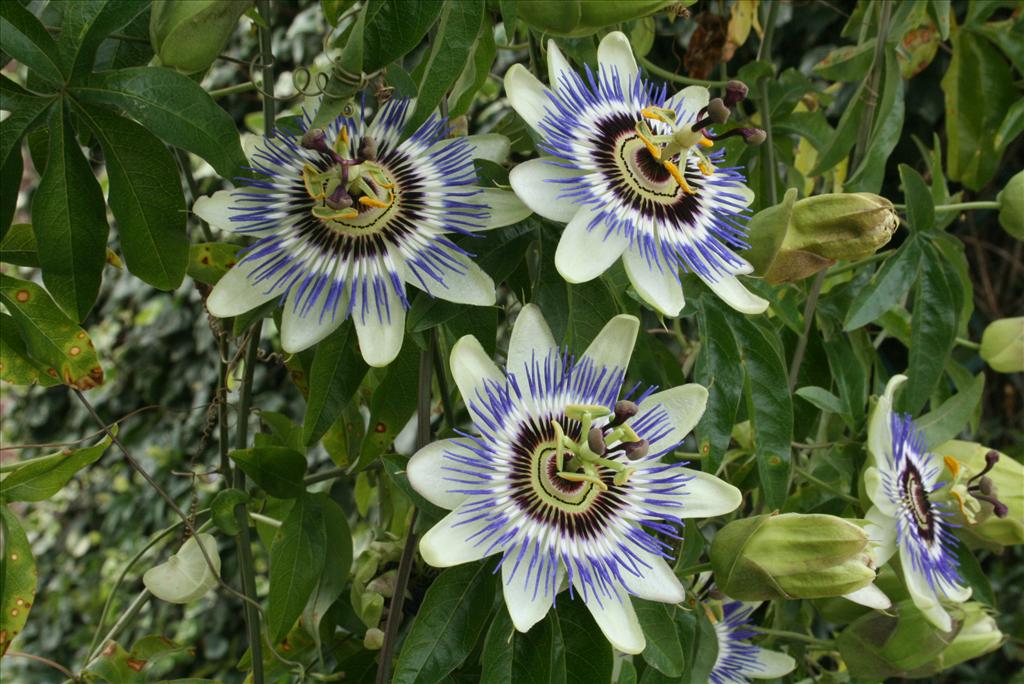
(374, 639)
(189, 34)
(575, 18)
(1005, 476)
(1002, 345)
(979, 634)
(1011, 206)
(878, 645)
(791, 556)
(841, 225)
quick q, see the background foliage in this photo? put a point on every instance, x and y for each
(104, 274)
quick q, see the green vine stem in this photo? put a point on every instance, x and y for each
(768, 170)
(122, 622)
(795, 636)
(676, 78)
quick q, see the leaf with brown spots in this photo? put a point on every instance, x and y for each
(50, 337)
(208, 261)
(17, 578)
(16, 366)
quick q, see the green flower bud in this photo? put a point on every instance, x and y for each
(189, 34)
(1011, 206)
(1007, 478)
(790, 556)
(1002, 345)
(575, 18)
(841, 225)
(766, 231)
(374, 639)
(979, 634)
(878, 645)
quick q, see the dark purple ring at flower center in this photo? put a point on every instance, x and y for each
(915, 496)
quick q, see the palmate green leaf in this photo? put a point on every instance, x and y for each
(337, 567)
(17, 579)
(296, 562)
(821, 398)
(978, 90)
(885, 130)
(26, 110)
(278, 470)
(16, 366)
(850, 376)
(886, 288)
(450, 50)
(10, 185)
(718, 369)
(947, 420)
(26, 40)
(663, 651)
(50, 337)
(86, 23)
(447, 626)
(208, 261)
(222, 509)
(510, 657)
(338, 369)
(396, 28)
(700, 645)
(588, 655)
(69, 216)
(475, 72)
(845, 134)
(920, 204)
(392, 405)
(40, 479)
(19, 246)
(933, 328)
(847, 63)
(172, 107)
(145, 197)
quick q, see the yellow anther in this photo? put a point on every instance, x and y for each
(961, 504)
(655, 113)
(622, 477)
(559, 453)
(651, 147)
(373, 202)
(584, 477)
(704, 142)
(678, 175)
(309, 172)
(705, 167)
(953, 465)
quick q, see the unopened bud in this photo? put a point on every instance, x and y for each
(188, 36)
(374, 639)
(841, 225)
(791, 556)
(880, 646)
(1011, 206)
(595, 440)
(735, 92)
(1002, 345)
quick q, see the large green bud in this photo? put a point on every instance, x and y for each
(790, 556)
(575, 18)
(1004, 482)
(979, 634)
(187, 35)
(1002, 345)
(879, 645)
(1011, 206)
(796, 239)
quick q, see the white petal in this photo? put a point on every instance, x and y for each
(771, 665)
(531, 340)
(235, 294)
(706, 496)
(615, 616)
(215, 209)
(585, 252)
(748, 198)
(657, 582)
(875, 488)
(380, 338)
(732, 292)
(471, 367)
(526, 606)
(447, 543)
(468, 284)
(957, 593)
(881, 531)
(924, 596)
(300, 331)
(870, 596)
(615, 54)
(684, 406)
(689, 100)
(560, 72)
(538, 184)
(528, 96)
(428, 474)
(880, 427)
(504, 207)
(614, 344)
(658, 285)
(490, 146)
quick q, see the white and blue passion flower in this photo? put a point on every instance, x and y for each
(564, 477)
(626, 172)
(738, 660)
(905, 518)
(345, 216)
